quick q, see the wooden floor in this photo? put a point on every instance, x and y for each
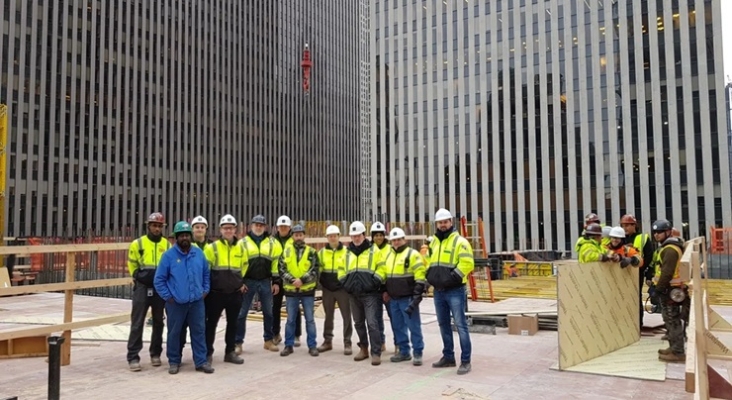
(504, 367)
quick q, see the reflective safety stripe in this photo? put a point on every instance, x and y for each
(216, 257)
(141, 251)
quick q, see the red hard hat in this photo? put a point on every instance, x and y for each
(156, 217)
(590, 218)
(593, 230)
(628, 219)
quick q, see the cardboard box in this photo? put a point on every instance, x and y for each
(524, 325)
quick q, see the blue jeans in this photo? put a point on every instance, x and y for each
(262, 288)
(194, 314)
(308, 307)
(406, 326)
(453, 301)
(381, 323)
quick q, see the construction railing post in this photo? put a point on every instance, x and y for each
(54, 367)
(68, 307)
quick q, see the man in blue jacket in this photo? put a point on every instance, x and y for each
(183, 280)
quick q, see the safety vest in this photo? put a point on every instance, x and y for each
(224, 256)
(657, 262)
(405, 264)
(143, 258)
(364, 262)
(640, 240)
(590, 250)
(298, 268)
(266, 250)
(332, 260)
(454, 253)
(381, 252)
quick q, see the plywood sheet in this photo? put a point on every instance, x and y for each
(598, 310)
(637, 361)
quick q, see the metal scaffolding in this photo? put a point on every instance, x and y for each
(365, 105)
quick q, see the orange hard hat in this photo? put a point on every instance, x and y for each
(628, 219)
(593, 230)
(156, 217)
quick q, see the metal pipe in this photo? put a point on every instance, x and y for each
(54, 367)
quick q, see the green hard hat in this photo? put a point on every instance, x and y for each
(182, 227)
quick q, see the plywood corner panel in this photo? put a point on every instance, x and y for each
(598, 310)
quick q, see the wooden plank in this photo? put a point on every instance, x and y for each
(547, 312)
(47, 330)
(587, 327)
(55, 287)
(68, 309)
(32, 346)
(4, 278)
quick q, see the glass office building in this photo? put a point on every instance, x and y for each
(121, 108)
(532, 113)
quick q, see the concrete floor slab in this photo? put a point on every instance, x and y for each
(504, 367)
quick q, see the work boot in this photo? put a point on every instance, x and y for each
(347, 349)
(383, 347)
(375, 360)
(205, 368)
(231, 357)
(326, 346)
(238, 348)
(297, 341)
(664, 337)
(314, 352)
(287, 351)
(665, 351)
(209, 359)
(269, 345)
(417, 361)
(362, 354)
(155, 361)
(173, 369)
(400, 357)
(464, 368)
(672, 357)
(396, 350)
(135, 366)
(444, 363)
(277, 339)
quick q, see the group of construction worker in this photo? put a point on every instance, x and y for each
(193, 281)
(659, 268)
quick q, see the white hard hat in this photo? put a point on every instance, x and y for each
(442, 214)
(397, 233)
(617, 232)
(332, 230)
(227, 219)
(356, 228)
(606, 231)
(199, 220)
(284, 221)
(377, 227)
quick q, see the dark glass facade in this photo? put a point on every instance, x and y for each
(121, 108)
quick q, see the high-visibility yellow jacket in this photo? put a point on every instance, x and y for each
(405, 272)
(590, 250)
(331, 260)
(228, 263)
(667, 260)
(143, 258)
(362, 273)
(299, 262)
(450, 262)
(262, 258)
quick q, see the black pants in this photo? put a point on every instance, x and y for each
(216, 302)
(277, 316)
(141, 302)
(365, 310)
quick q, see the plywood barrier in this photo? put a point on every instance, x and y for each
(597, 310)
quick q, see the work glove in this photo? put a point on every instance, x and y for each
(414, 304)
(625, 261)
(604, 258)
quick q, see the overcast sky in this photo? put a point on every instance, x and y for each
(727, 38)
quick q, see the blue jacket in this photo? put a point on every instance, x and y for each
(184, 277)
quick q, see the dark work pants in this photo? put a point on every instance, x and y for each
(216, 302)
(365, 310)
(343, 299)
(641, 286)
(192, 314)
(277, 301)
(141, 302)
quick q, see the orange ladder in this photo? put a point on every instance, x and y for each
(477, 239)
